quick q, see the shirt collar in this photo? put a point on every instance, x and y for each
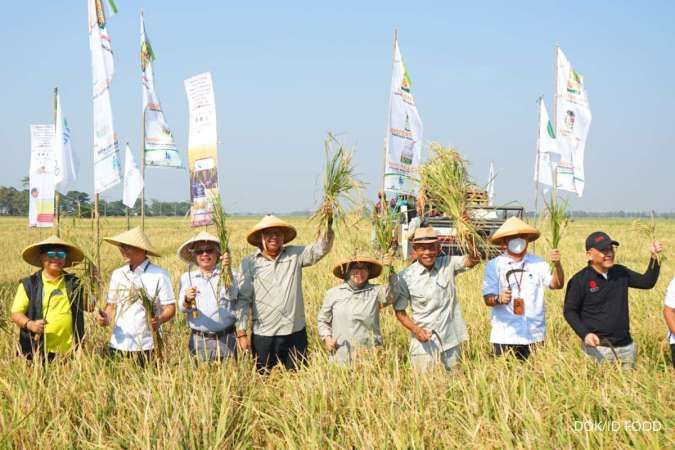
(419, 269)
(259, 253)
(347, 287)
(142, 267)
(197, 273)
(55, 281)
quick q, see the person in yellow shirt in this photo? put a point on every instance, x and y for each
(49, 306)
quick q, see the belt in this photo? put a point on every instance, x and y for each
(214, 335)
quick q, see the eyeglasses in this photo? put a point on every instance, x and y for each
(200, 251)
(56, 254)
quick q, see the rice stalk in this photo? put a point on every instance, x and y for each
(339, 183)
(87, 273)
(384, 225)
(148, 301)
(445, 181)
(648, 230)
(223, 233)
(558, 218)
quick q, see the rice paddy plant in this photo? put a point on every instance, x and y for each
(558, 217)
(223, 233)
(340, 184)
(446, 182)
(648, 230)
(384, 227)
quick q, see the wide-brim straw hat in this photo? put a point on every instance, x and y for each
(185, 250)
(31, 254)
(133, 238)
(374, 266)
(515, 227)
(270, 221)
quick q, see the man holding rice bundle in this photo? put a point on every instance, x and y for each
(217, 320)
(513, 286)
(349, 319)
(131, 288)
(428, 286)
(49, 305)
(272, 285)
(596, 301)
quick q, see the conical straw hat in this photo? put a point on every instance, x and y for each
(133, 238)
(515, 227)
(185, 250)
(31, 254)
(270, 221)
(341, 268)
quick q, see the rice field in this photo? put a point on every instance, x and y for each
(557, 399)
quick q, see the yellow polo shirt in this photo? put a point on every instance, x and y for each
(56, 310)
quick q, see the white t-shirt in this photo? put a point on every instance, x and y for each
(131, 331)
(507, 327)
(670, 303)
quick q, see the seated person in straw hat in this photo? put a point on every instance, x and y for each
(272, 285)
(49, 305)
(513, 286)
(132, 333)
(350, 316)
(428, 286)
(596, 300)
(215, 317)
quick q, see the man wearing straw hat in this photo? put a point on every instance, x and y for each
(215, 317)
(49, 305)
(272, 285)
(513, 286)
(428, 286)
(132, 333)
(349, 319)
(596, 300)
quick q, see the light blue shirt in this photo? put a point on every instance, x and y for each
(217, 307)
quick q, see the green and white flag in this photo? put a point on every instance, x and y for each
(573, 120)
(403, 143)
(106, 150)
(160, 147)
(548, 155)
(64, 164)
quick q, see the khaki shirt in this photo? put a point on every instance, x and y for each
(352, 317)
(431, 295)
(274, 288)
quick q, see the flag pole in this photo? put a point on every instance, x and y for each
(142, 147)
(57, 196)
(128, 224)
(536, 170)
(98, 231)
(386, 134)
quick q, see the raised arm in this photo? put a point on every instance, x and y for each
(574, 297)
(313, 253)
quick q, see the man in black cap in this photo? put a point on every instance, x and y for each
(596, 301)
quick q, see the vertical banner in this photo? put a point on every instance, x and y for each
(133, 180)
(573, 120)
(106, 150)
(160, 147)
(548, 156)
(491, 184)
(64, 164)
(41, 176)
(202, 151)
(403, 143)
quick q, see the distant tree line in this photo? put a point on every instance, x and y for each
(14, 202)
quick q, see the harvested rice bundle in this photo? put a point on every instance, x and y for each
(223, 234)
(339, 183)
(384, 226)
(648, 230)
(445, 181)
(558, 218)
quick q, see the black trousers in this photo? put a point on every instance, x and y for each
(520, 351)
(672, 353)
(289, 350)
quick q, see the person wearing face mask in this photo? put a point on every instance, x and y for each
(428, 285)
(271, 283)
(349, 319)
(513, 286)
(596, 301)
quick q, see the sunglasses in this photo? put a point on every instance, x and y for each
(56, 254)
(200, 251)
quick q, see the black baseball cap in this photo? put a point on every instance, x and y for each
(599, 240)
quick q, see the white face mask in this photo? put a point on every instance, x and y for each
(517, 246)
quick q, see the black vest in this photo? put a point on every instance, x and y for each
(33, 286)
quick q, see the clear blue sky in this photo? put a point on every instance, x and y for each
(288, 72)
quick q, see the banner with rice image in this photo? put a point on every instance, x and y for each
(41, 176)
(202, 148)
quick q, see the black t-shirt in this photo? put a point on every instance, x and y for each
(597, 305)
